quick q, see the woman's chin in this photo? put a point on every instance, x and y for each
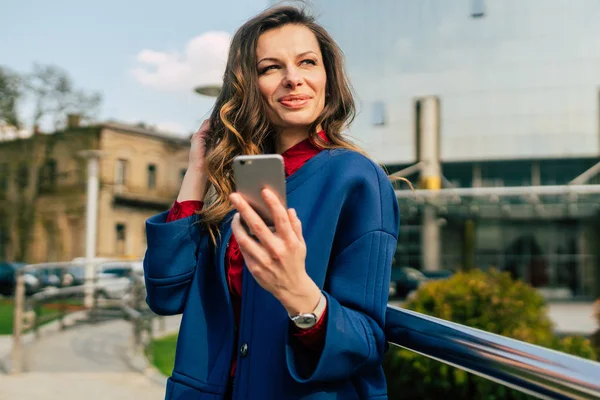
(296, 121)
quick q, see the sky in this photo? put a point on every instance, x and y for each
(144, 56)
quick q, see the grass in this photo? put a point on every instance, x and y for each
(6, 317)
(7, 307)
(161, 353)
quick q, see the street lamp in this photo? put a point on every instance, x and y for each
(211, 90)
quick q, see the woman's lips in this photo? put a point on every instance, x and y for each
(294, 102)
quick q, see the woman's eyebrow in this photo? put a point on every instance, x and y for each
(276, 60)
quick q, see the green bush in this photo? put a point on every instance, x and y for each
(596, 335)
(597, 311)
(490, 301)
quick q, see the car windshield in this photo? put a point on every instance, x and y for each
(76, 272)
(117, 271)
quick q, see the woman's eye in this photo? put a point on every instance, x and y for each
(268, 68)
(309, 61)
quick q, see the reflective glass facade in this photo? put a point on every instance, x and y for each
(519, 88)
(516, 79)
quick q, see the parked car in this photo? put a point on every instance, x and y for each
(405, 280)
(44, 278)
(439, 274)
(8, 279)
(113, 279)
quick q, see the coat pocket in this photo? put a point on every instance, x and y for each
(180, 391)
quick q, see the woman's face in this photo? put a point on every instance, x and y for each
(291, 76)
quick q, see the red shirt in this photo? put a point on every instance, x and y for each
(294, 158)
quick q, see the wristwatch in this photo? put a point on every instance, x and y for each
(308, 320)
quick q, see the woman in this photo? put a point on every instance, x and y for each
(298, 313)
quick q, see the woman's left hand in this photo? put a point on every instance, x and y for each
(277, 259)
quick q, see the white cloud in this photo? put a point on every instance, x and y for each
(202, 62)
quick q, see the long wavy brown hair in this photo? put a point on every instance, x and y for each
(239, 123)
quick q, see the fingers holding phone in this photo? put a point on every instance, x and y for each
(277, 260)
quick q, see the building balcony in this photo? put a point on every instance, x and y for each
(158, 199)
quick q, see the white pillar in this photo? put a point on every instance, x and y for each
(430, 179)
(91, 227)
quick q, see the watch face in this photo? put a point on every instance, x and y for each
(305, 321)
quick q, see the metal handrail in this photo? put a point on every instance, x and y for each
(89, 286)
(541, 372)
(547, 190)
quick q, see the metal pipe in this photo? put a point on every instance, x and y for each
(587, 175)
(408, 170)
(553, 190)
(541, 372)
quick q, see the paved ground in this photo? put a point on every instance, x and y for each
(87, 361)
(573, 318)
(79, 385)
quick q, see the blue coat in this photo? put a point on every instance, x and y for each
(350, 224)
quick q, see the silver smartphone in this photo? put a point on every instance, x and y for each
(254, 173)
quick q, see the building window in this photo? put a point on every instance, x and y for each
(492, 182)
(121, 172)
(121, 237)
(378, 113)
(47, 177)
(4, 237)
(3, 179)
(77, 237)
(477, 8)
(151, 176)
(52, 248)
(22, 177)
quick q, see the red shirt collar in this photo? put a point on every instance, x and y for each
(297, 155)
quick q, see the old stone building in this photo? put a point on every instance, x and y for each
(43, 190)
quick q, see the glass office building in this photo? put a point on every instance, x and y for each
(518, 87)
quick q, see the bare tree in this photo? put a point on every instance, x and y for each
(10, 93)
(54, 95)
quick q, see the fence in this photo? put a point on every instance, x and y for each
(110, 288)
(541, 372)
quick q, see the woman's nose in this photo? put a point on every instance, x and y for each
(292, 78)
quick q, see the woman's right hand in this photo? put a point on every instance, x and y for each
(197, 158)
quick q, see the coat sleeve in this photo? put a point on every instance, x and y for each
(175, 250)
(356, 283)
(356, 301)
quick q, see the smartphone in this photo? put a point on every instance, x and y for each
(254, 173)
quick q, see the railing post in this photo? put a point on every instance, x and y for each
(139, 323)
(95, 305)
(17, 349)
(37, 309)
(62, 307)
(162, 324)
